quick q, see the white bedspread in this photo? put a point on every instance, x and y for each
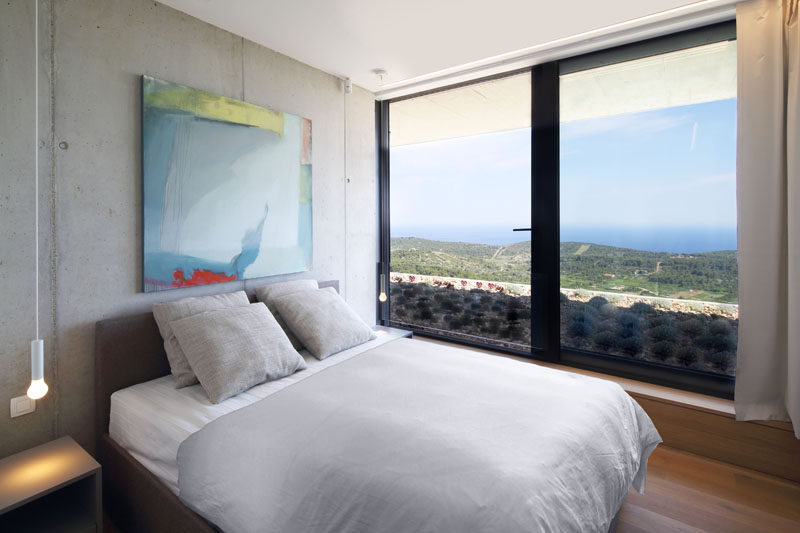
(151, 419)
(413, 436)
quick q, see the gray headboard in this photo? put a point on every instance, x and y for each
(129, 350)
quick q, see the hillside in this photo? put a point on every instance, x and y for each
(710, 276)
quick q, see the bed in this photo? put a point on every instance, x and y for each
(394, 435)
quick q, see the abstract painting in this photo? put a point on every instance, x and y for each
(226, 188)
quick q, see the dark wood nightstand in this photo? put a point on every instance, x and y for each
(52, 487)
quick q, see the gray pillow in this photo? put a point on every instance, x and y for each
(323, 321)
(167, 312)
(234, 349)
(268, 293)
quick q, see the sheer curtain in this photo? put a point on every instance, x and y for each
(768, 197)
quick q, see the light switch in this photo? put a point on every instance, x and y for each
(22, 405)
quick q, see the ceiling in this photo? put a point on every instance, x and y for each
(700, 74)
(410, 38)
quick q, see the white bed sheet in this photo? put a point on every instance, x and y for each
(151, 420)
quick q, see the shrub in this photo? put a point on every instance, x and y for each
(524, 314)
(606, 325)
(630, 345)
(512, 316)
(720, 326)
(720, 360)
(662, 350)
(497, 308)
(486, 300)
(608, 311)
(562, 298)
(628, 320)
(605, 340)
(716, 343)
(641, 308)
(663, 333)
(692, 327)
(597, 302)
(660, 320)
(687, 355)
(580, 328)
(514, 332)
(493, 325)
(409, 293)
(425, 313)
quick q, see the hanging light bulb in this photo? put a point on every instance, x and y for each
(382, 293)
(38, 387)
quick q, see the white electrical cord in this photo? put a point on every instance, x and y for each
(36, 163)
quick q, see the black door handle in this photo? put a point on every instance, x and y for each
(521, 229)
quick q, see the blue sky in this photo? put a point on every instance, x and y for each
(672, 167)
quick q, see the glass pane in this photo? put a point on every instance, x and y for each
(648, 209)
(460, 182)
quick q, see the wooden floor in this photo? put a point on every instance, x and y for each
(686, 492)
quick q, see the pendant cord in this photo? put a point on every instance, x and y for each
(36, 164)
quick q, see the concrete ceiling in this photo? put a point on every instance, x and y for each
(409, 38)
(695, 75)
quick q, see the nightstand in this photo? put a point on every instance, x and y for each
(52, 487)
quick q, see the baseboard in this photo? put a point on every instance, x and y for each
(770, 448)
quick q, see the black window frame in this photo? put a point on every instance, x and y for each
(545, 216)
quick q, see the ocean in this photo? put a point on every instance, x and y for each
(652, 239)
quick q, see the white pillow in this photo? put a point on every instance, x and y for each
(268, 294)
(234, 349)
(323, 321)
(167, 312)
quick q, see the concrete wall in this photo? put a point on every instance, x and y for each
(90, 199)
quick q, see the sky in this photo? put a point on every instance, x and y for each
(673, 168)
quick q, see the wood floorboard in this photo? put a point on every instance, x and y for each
(689, 493)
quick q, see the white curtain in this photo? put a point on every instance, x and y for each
(768, 197)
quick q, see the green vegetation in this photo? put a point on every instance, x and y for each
(685, 340)
(510, 263)
(710, 276)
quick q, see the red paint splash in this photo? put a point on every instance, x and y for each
(199, 277)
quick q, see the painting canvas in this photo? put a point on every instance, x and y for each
(226, 188)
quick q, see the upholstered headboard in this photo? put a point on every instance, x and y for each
(129, 350)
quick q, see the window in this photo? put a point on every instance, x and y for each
(629, 156)
(460, 184)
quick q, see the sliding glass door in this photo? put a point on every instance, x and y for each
(623, 164)
(460, 185)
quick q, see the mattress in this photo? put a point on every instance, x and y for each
(150, 420)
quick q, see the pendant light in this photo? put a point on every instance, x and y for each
(38, 387)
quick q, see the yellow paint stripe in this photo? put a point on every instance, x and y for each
(167, 95)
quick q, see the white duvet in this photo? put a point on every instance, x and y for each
(413, 436)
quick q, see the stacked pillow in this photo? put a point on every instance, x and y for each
(224, 342)
(228, 344)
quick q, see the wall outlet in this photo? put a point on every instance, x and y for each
(22, 405)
